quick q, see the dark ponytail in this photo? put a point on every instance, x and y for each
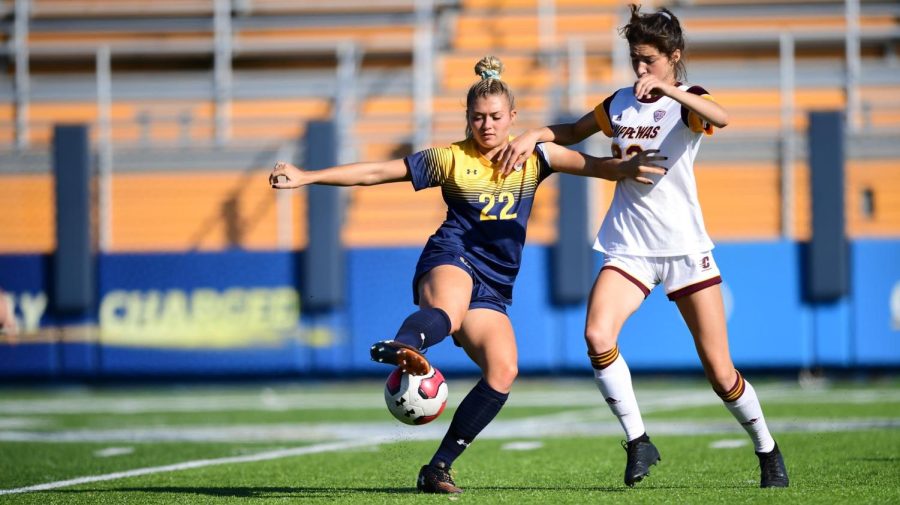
(661, 30)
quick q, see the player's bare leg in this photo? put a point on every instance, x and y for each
(613, 299)
(704, 314)
(487, 337)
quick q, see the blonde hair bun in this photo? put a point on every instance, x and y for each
(489, 67)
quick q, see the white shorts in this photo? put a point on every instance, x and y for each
(679, 275)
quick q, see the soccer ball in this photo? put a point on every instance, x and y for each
(415, 399)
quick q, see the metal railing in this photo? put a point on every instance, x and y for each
(570, 95)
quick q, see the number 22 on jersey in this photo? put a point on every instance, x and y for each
(505, 198)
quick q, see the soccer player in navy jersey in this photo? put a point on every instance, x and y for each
(464, 278)
(655, 235)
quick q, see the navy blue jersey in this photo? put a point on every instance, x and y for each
(487, 215)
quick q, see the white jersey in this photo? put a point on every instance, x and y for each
(663, 219)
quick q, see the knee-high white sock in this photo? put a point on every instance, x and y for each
(742, 402)
(613, 379)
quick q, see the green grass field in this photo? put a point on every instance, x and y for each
(555, 442)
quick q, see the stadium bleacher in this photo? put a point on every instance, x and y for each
(284, 62)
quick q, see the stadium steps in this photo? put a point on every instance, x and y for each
(230, 209)
(285, 74)
(519, 29)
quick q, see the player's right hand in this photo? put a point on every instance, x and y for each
(286, 176)
(642, 164)
(649, 86)
(515, 154)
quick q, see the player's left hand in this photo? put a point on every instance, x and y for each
(642, 164)
(650, 86)
(286, 176)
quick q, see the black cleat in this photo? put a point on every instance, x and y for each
(772, 472)
(436, 479)
(408, 358)
(641, 455)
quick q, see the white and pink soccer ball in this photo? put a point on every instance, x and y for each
(415, 399)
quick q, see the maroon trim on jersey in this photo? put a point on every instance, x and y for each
(649, 100)
(693, 288)
(694, 90)
(630, 277)
(697, 90)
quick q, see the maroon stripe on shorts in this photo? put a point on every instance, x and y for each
(693, 288)
(630, 277)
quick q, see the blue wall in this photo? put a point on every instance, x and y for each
(240, 313)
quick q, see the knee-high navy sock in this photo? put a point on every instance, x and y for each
(424, 328)
(476, 411)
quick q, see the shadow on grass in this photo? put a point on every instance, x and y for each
(306, 491)
(247, 492)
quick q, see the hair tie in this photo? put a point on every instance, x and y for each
(665, 15)
(490, 74)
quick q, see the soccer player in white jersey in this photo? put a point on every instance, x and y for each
(655, 235)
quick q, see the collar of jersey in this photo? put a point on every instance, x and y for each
(481, 159)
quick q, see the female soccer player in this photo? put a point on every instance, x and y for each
(655, 235)
(464, 278)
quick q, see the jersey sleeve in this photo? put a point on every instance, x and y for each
(601, 114)
(693, 120)
(429, 168)
(543, 159)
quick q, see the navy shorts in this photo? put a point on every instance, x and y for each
(483, 296)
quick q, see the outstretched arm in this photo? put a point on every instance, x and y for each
(637, 167)
(287, 176)
(522, 146)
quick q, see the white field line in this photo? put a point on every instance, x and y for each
(511, 429)
(651, 402)
(559, 425)
(598, 419)
(111, 452)
(573, 395)
(372, 434)
(527, 445)
(187, 465)
(22, 422)
(729, 443)
(590, 421)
